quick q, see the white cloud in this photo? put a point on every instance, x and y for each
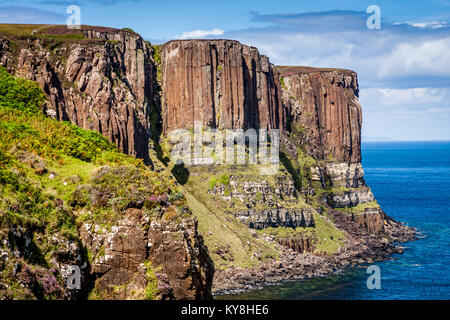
(412, 97)
(423, 25)
(406, 114)
(200, 33)
(445, 111)
(399, 54)
(417, 58)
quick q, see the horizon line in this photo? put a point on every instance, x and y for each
(366, 141)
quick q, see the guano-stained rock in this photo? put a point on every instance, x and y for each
(122, 254)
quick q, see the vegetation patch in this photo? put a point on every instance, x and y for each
(151, 290)
(157, 58)
(360, 208)
(222, 180)
(55, 176)
(329, 238)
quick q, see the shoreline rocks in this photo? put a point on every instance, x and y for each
(360, 247)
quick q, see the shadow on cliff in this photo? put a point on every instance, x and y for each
(181, 173)
(292, 171)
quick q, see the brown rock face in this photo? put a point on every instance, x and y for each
(221, 83)
(325, 120)
(102, 83)
(124, 253)
(324, 109)
(301, 244)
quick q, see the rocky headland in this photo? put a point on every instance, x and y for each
(157, 230)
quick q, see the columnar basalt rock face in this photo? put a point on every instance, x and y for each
(325, 120)
(323, 105)
(221, 83)
(106, 82)
(102, 83)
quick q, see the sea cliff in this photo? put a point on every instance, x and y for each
(157, 229)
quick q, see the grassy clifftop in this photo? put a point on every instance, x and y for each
(291, 70)
(57, 31)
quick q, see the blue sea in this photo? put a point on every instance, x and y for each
(411, 181)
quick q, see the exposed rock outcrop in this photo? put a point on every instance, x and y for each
(103, 82)
(267, 204)
(323, 107)
(352, 197)
(280, 217)
(341, 174)
(251, 190)
(325, 121)
(106, 82)
(124, 254)
(221, 83)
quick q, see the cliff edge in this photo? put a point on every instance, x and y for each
(98, 78)
(164, 231)
(317, 203)
(221, 83)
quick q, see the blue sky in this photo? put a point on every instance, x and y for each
(404, 68)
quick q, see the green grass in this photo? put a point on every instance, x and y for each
(128, 30)
(20, 29)
(285, 233)
(330, 158)
(283, 84)
(55, 176)
(157, 57)
(151, 290)
(360, 208)
(339, 190)
(220, 230)
(330, 239)
(221, 180)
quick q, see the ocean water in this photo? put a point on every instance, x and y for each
(411, 181)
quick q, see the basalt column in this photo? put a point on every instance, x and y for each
(221, 83)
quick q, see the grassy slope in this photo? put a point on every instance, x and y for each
(229, 241)
(329, 239)
(43, 30)
(47, 172)
(20, 29)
